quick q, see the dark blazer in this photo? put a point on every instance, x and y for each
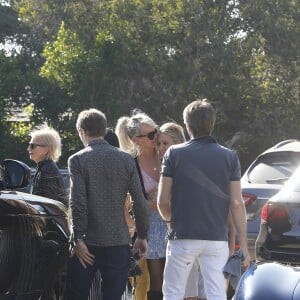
(101, 176)
(48, 182)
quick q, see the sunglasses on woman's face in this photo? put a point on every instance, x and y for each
(34, 145)
(150, 135)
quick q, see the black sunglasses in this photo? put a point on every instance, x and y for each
(33, 145)
(150, 135)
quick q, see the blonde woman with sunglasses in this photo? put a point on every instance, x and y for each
(137, 135)
(45, 149)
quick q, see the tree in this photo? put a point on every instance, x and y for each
(21, 88)
(158, 55)
(8, 22)
(273, 35)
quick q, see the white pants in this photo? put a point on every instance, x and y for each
(195, 283)
(180, 257)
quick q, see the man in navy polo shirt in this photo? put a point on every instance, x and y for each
(199, 185)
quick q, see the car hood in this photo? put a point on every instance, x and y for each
(18, 203)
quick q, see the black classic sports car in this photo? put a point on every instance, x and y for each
(34, 239)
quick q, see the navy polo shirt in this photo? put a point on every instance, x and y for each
(201, 170)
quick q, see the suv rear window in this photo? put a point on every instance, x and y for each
(274, 168)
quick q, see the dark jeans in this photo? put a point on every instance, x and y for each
(113, 263)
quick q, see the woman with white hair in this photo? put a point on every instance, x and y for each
(45, 149)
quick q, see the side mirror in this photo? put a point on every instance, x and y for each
(15, 174)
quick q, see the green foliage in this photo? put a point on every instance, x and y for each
(159, 55)
(62, 59)
(8, 22)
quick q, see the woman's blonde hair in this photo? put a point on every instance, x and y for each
(174, 130)
(50, 137)
(127, 127)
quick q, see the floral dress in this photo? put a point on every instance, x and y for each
(158, 228)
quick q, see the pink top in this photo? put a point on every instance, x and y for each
(149, 183)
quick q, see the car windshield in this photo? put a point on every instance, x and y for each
(273, 169)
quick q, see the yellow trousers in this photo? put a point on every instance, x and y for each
(142, 282)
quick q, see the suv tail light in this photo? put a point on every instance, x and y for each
(276, 216)
(264, 214)
(248, 198)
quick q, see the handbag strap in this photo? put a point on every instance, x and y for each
(141, 177)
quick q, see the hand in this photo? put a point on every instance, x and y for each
(247, 260)
(140, 247)
(83, 254)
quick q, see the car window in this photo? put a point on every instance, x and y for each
(273, 169)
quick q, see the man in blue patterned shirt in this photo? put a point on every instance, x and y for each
(101, 176)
